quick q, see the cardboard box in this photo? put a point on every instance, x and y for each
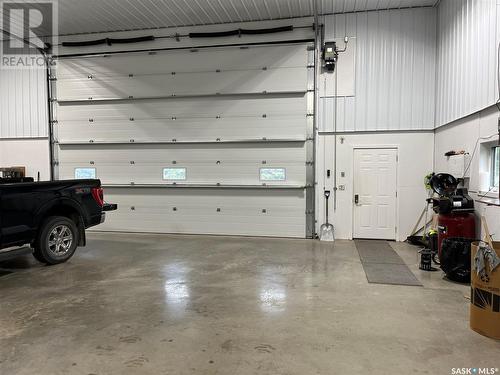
(485, 298)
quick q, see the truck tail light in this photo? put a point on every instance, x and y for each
(98, 195)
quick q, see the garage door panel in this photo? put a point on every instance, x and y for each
(210, 83)
(185, 61)
(210, 164)
(276, 152)
(208, 107)
(125, 173)
(166, 130)
(242, 212)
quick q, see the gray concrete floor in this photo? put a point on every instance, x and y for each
(159, 304)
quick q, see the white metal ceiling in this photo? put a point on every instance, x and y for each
(91, 16)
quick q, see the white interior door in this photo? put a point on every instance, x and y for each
(375, 193)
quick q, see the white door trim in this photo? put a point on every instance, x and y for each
(376, 147)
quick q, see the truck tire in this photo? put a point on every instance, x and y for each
(57, 240)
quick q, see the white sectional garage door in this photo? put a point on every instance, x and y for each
(209, 141)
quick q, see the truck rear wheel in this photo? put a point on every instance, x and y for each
(57, 240)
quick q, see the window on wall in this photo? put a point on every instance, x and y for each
(85, 173)
(495, 163)
(272, 174)
(174, 174)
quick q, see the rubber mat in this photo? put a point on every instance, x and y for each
(383, 265)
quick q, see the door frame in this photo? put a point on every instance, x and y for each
(376, 147)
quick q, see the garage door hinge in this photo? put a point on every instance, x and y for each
(309, 212)
(53, 100)
(310, 90)
(310, 48)
(52, 78)
(310, 115)
(309, 66)
(53, 122)
(309, 162)
(55, 163)
(310, 139)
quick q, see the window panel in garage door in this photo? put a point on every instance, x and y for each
(163, 114)
(225, 164)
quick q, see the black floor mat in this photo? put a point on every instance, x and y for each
(383, 265)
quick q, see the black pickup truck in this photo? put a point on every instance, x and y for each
(48, 218)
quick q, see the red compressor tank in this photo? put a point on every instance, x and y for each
(456, 224)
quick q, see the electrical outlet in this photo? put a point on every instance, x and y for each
(342, 187)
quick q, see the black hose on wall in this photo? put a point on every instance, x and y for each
(109, 41)
(241, 32)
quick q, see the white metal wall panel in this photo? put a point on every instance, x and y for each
(275, 213)
(222, 141)
(395, 71)
(467, 58)
(205, 72)
(201, 119)
(23, 103)
(226, 164)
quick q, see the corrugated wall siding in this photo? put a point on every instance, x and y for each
(23, 103)
(395, 71)
(467, 57)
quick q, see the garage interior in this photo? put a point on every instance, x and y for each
(272, 165)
